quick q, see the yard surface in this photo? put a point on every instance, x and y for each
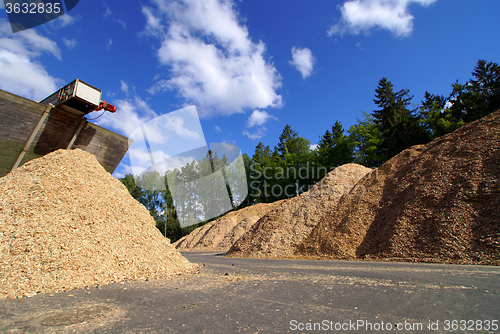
(232, 295)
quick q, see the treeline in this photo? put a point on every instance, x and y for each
(384, 133)
(292, 167)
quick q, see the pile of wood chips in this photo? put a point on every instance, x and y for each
(282, 230)
(438, 202)
(66, 223)
(219, 235)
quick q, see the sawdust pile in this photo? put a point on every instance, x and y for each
(279, 232)
(67, 223)
(438, 202)
(219, 235)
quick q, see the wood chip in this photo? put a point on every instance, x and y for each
(219, 235)
(66, 223)
(438, 202)
(278, 232)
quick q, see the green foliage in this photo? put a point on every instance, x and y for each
(259, 169)
(334, 148)
(479, 96)
(366, 138)
(466, 103)
(159, 203)
(436, 119)
(399, 127)
(486, 83)
(129, 182)
(283, 172)
(249, 200)
(286, 143)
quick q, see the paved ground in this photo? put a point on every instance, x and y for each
(273, 296)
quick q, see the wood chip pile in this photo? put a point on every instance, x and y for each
(438, 202)
(67, 223)
(219, 235)
(282, 230)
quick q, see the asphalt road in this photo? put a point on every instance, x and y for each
(274, 296)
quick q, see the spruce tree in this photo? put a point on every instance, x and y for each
(334, 148)
(399, 127)
(285, 141)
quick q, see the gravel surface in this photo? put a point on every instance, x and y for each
(242, 295)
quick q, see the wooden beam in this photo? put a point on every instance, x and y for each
(45, 114)
(80, 127)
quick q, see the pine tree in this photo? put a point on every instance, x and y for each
(398, 126)
(334, 148)
(487, 83)
(286, 141)
(260, 160)
(478, 97)
(436, 118)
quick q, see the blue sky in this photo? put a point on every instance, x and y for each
(252, 66)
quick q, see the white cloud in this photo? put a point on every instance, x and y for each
(153, 23)
(142, 158)
(123, 24)
(303, 61)
(108, 12)
(62, 21)
(20, 73)
(158, 86)
(176, 124)
(313, 147)
(65, 20)
(174, 132)
(130, 114)
(118, 175)
(177, 162)
(217, 129)
(256, 135)
(258, 118)
(109, 43)
(126, 169)
(213, 62)
(362, 15)
(124, 87)
(70, 43)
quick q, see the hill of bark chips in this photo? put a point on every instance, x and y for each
(279, 232)
(219, 235)
(438, 202)
(67, 223)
